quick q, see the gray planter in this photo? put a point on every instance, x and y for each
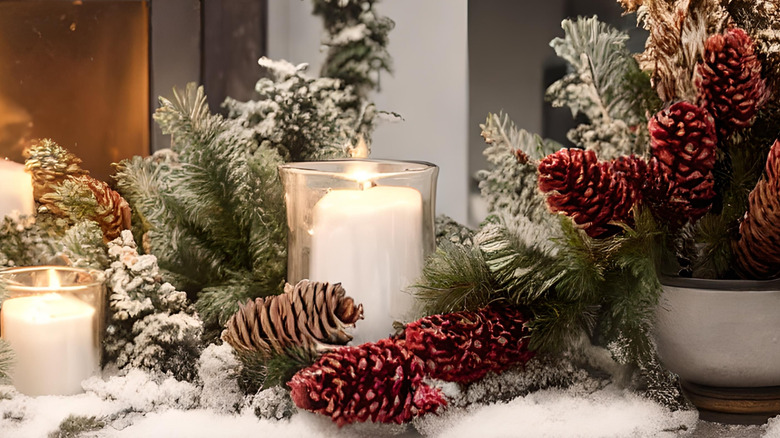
(722, 337)
(723, 333)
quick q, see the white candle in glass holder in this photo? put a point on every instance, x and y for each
(16, 193)
(371, 241)
(52, 338)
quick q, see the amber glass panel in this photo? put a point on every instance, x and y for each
(76, 72)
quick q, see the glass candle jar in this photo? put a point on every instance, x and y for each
(52, 317)
(367, 224)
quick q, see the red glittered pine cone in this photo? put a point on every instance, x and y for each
(682, 142)
(465, 346)
(729, 80)
(634, 170)
(380, 382)
(587, 190)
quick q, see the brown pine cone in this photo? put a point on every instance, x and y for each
(586, 190)
(310, 315)
(682, 140)
(381, 382)
(729, 80)
(113, 212)
(50, 164)
(757, 251)
(464, 346)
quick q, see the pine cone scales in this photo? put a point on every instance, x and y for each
(464, 346)
(380, 382)
(729, 80)
(682, 141)
(113, 213)
(309, 315)
(588, 191)
(757, 251)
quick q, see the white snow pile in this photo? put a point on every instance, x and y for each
(609, 412)
(139, 404)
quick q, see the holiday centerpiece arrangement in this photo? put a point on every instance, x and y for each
(673, 175)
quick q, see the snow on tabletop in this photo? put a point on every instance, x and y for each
(136, 406)
(608, 412)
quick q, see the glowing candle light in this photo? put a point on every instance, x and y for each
(371, 241)
(53, 339)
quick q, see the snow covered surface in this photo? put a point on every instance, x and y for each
(137, 405)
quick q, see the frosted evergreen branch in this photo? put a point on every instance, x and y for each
(357, 39)
(510, 186)
(605, 85)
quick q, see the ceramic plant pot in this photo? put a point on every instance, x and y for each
(722, 337)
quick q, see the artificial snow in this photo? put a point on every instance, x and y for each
(141, 404)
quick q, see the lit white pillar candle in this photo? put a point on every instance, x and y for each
(52, 338)
(371, 241)
(16, 193)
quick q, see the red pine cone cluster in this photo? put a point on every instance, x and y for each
(464, 346)
(729, 80)
(676, 181)
(590, 191)
(381, 382)
(682, 142)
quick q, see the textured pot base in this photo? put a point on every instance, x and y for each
(734, 405)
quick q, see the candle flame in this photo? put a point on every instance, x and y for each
(54, 279)
(364, 179)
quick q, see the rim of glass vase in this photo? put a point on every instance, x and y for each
(17, 286)
(316, 167)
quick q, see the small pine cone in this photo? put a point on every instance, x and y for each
(586, 190)
(464, 346)
(757, 251)
(310, 315)
(682, 140)
(729, 80)
(380, 382)
(50, 164)
(113, 212)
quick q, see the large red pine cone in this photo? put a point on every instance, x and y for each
(381, 382)
(729, 80)
(586, 190)
(757, 251)
(465, 346)
(682, 141)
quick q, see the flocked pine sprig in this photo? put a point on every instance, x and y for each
(211, 209)
(29, 241)
(303, 118)
(605, 85)
(357, 38)
(150, 325)
(510, 185)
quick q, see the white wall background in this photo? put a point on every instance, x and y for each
(429, 87)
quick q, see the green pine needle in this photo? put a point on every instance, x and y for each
(456, 278)
(74, 426)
